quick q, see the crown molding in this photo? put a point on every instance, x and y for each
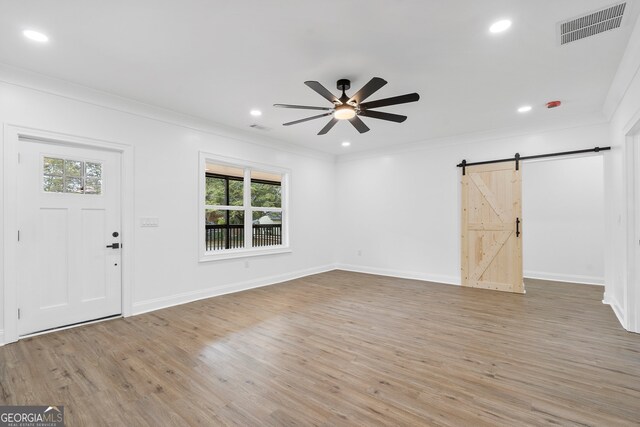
(628, 70)
(53, 86)
(594, 119)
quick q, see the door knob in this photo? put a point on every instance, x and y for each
(114, 246)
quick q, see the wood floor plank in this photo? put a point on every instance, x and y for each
(343, 349)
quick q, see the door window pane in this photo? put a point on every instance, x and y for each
(73, 168)
(53, 166)
(73, 185)
(92, 186)
(53, 184)
(93, 170)
(71, 176)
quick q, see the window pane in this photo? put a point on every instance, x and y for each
(73, 168)
(93, 186)
(265, 195)
(53, 166)
(53, 184)
(73, 185)
(236, 189)
(267, 228)
(224, 229)
(216, 192)
(93, 170)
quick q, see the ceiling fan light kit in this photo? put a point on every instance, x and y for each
(344, 112)
(351, 108)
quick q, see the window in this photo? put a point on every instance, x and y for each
(71, 176)
(244, 209)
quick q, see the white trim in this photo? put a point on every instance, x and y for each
(1, 337)
(186, 297)
(207, 256)
(617, 309)
(426, 277)
(631, 291)
(242, 253)
(12, 135)
(568, 278)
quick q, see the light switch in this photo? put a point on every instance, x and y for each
(149, 222)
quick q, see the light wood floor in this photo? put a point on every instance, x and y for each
(343, 349)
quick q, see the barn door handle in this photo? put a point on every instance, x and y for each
(517, 227)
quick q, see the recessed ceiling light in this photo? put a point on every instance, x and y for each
(35, 36)
(346, 144)
(256, 113)
(500, 26)
(524, 109)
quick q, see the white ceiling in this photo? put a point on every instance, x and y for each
(219, 59)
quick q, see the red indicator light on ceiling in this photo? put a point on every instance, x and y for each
(553, 104)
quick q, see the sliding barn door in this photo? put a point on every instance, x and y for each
(491, 227)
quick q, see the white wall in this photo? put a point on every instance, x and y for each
(397, 210)
(400, 211)
(623, 109)
(166, 267)
(563, 219)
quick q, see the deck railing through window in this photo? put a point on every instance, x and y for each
(232, 236)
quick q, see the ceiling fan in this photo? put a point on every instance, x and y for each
(351, 108)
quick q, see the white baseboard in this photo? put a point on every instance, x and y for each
(570, 278)
(186, 297)
(436, 278)
(617, 309)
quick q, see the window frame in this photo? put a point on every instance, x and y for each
(248, 250)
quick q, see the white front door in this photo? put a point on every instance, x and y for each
(68, 215)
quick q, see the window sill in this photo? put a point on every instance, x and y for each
(242, 253)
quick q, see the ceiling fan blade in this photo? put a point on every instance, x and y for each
(301, 107)
(323, 91)
(383, 116)
(367, 90)
(402, 99)
(307, 119)
(328, 126)
(359, 124)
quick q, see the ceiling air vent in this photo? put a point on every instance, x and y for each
(592, 23)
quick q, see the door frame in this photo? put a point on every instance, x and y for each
(12, 135)
(631, 314)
